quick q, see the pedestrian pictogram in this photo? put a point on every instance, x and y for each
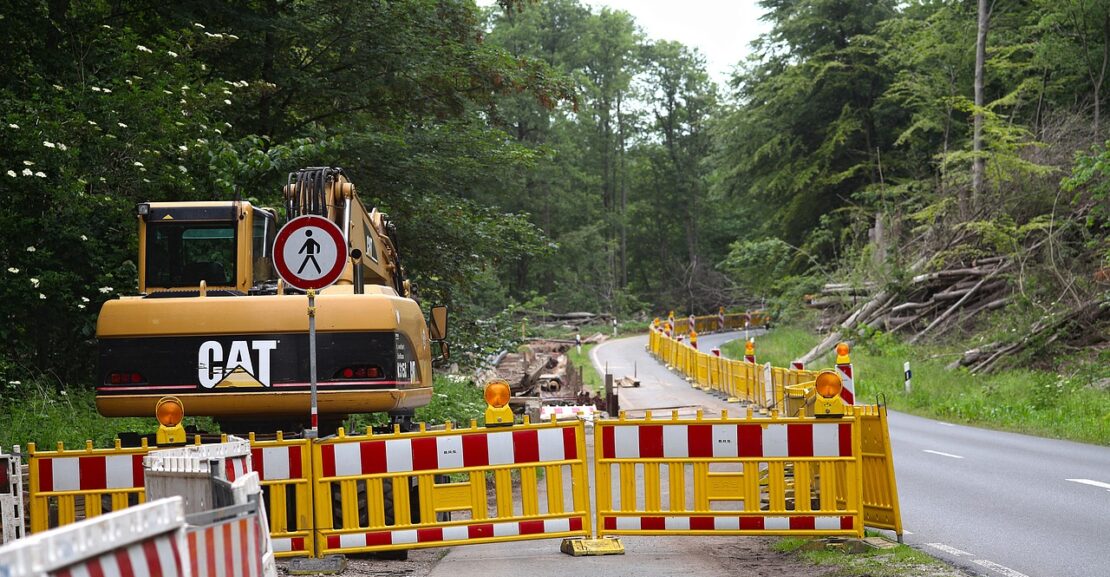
(309, 252)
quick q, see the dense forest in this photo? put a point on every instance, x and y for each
(548, 155)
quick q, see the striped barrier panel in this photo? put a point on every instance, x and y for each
(810, 469)
(231, 541)
(11, 497)
(69, 485)
(147, 540)
(285, 469)
(378, 469)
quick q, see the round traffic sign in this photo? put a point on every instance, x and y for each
(309, 252)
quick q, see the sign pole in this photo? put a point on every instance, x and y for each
(309, 255)
(314, 431)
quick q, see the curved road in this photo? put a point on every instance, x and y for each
(995, 503)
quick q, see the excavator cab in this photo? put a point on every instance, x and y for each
(225, 246)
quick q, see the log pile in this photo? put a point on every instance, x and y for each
(930, 305)
(934, 303)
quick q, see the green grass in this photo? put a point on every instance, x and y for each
(1036, 402)
(590, 377)
(780, 346)
(39, 413)
(897, 561)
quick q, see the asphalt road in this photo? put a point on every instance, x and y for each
(995, 503)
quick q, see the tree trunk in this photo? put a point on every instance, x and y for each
(978, 165)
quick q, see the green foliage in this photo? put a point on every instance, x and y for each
(1065, 399)
(1090, 185)
(36, 410)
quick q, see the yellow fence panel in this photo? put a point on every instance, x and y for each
(67, 486)
(726, 476)
(285, 469)
(363, 500)
(880, 490)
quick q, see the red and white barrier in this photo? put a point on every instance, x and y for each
(229, 549)
(848, 392)
(723, 524)
(90, 473)
(146, 540)
(448, 452)
(460, 534)
(683, 441)
(278, 463)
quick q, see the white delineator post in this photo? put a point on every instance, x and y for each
(844, 371)
(909, 376)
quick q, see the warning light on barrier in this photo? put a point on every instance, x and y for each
(828, 402)
(842, 350)
(170, 412)
(498, 413)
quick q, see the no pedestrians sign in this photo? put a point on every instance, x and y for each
(309, 252)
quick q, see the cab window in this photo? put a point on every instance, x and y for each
(263, 236)
(182, 254)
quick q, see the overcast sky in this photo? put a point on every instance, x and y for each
(721, 29)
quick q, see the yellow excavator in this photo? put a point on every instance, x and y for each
(215, 332)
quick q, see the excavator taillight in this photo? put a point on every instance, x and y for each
(359, 372)
(118, 378)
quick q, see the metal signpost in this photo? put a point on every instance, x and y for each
(309, 254)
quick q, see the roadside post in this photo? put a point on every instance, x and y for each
(310, 254)
(909, 375)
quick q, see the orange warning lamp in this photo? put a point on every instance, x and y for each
(498, 413)
(842, 350)
(170, 412)
(828, 402)
(749, 348)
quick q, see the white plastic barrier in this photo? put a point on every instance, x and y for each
(144, 540)
(563, 413)
(11, 497)
(227, 533)
(190, 471)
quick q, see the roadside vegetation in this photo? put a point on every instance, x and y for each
(897, 561)
(1066, 398)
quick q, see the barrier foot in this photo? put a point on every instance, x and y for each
(732, 400)
(592, 547)
(331, 564)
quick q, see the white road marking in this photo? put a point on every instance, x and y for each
(905, 532)
(1090, 482)
(943, 454)
(949, 549)
(999, 568)
(946, 424)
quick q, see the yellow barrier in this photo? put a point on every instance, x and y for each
(68, 485)
(379, 469)
(765, 476)
(766, 387)
(285, 469)
(880, 490)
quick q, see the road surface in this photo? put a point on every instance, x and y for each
(998, 504)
